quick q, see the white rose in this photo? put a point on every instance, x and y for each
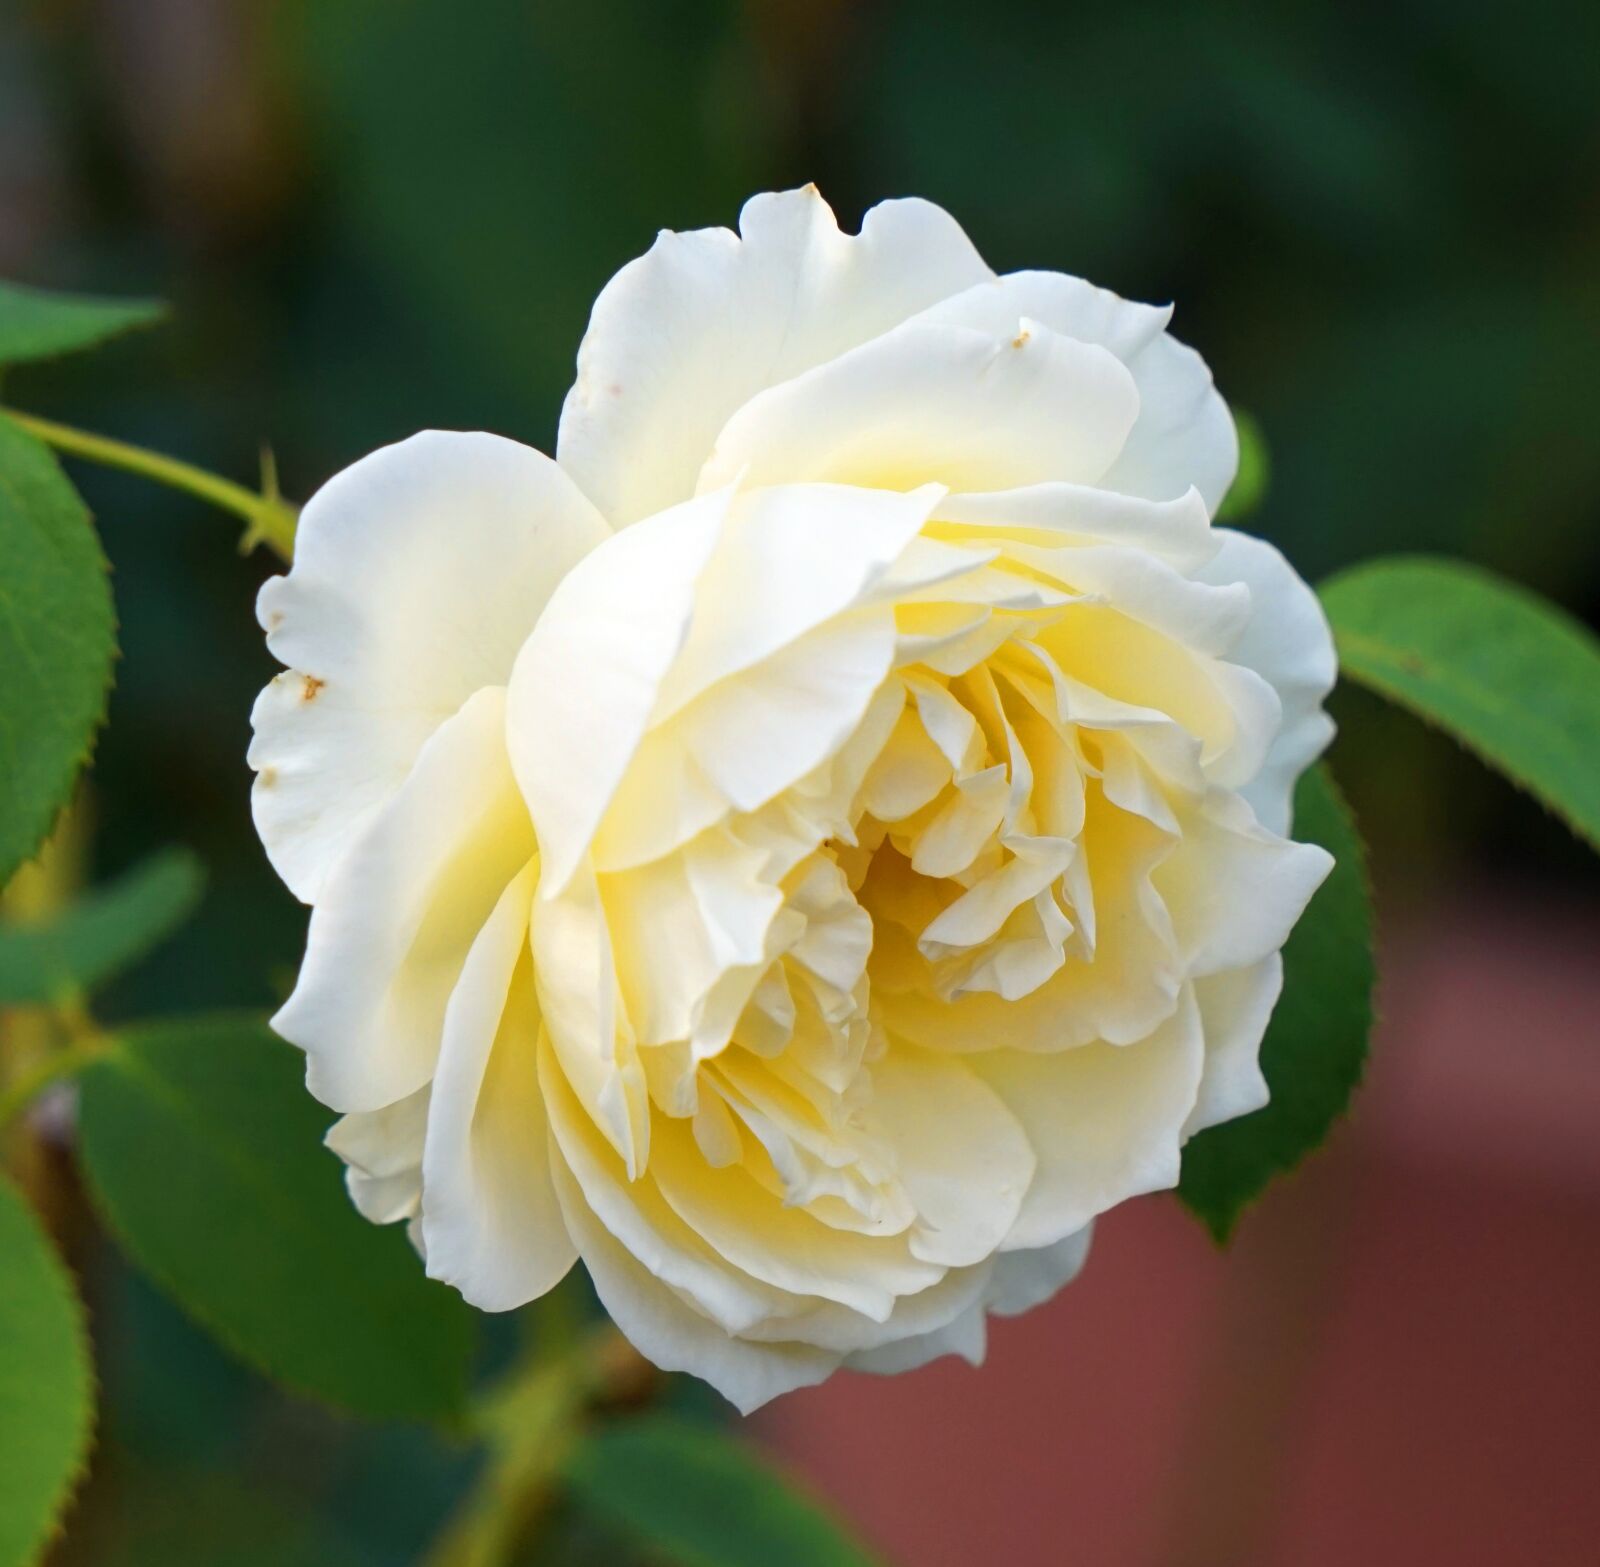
(817, 844)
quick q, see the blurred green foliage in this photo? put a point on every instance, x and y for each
(373, 216)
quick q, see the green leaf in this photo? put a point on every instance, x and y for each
(1249, 487)
(36, 323)
(101, 934)
(698, 1498)
(1316, 1043)
(46, 1397)
(203, 1152)
(1501, 670)
(57, 642)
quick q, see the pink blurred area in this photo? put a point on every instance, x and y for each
(1397, 1362)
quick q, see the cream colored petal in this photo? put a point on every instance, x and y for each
(1184, 435)
(786, 1248)
(1024, 1279)
(1233, 889)
(961, 1151)
(1287, 641)
(679, 924)
(632, 1213)
(1106, 1122)
(418, 573)
(684, 336)
(670, 1332)
(383, 1152)
(927, 404)
(759, 733)
(790, 559)
(1177, 531)
(491, 1225)
(587, 679)
(393, 925)
(1230, 709)
(915, 1317)
(966, 1336)
(590, 1034)
(1235, 1007)
(1128, 987)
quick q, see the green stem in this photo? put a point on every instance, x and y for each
(53, 1068)
(530, 1423)
(270, 519)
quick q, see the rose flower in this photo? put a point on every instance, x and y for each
(822, 840)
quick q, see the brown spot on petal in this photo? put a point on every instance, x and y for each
(267, 777)
(310, 688)
(1021, 338)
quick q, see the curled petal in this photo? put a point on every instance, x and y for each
(587, 679)
(927, 403)
(1184, 435)
(674, 1335)
(1106, 1121)
(392, 928)
(491, 1224)
(1288, 642)
(418, 574)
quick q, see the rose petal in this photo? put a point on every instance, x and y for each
(1105, 1121)
(1235, 1007)
(684, 336)
(1184, 435)
(936, 404)
(675, 1336)
(491, 1224)
(418, 573)
(1287, 641)
(392, 927)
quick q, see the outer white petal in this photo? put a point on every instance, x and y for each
(1023, 1279)
(392, 927)
(1017, 1282)
(1235, 890)
(418, 573)
(1184, 435)
(672, 1334)
(689, 332)
(1288, 642)
(383, 1149)
(966, 1336)
(1106, 1121)
(491, 1224)
(1235, 1008)
(915, 1317)
(587, 679)
(937, 404)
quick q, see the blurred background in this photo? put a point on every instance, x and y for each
(1381, 225)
